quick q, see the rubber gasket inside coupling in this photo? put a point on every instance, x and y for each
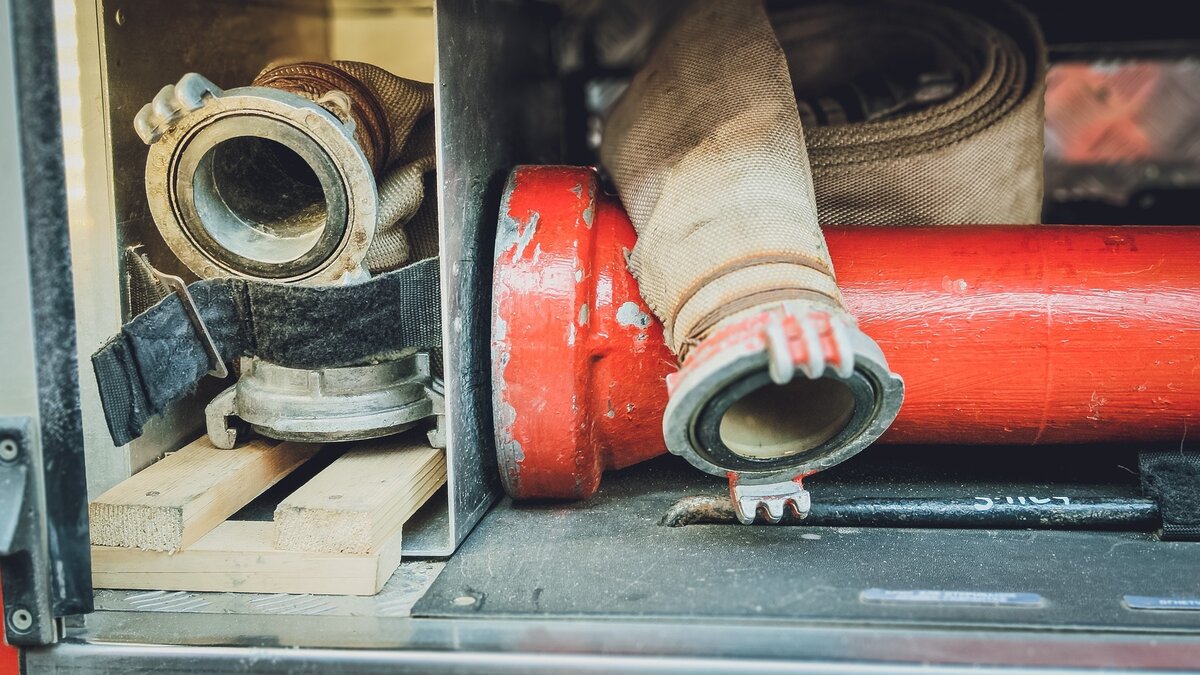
(706, 391)
(176, 166)
(706, 429)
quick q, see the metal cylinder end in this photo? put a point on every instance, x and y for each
(327, 405)
(781, 394)
(258, 183)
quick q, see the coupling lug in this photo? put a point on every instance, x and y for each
(171, 104)
(773, 499)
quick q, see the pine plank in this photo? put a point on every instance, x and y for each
(174, 502)
(237, 556)
(361, 500)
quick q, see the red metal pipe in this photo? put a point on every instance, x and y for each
(1003, 335)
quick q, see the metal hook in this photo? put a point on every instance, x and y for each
(176, 284)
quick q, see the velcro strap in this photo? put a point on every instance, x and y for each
(158, 357)
(1172, 478)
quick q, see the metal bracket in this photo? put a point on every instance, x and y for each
(177, 285)
(24, 559)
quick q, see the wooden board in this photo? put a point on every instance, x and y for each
(174, 502)
(238, 556)
(362, 499)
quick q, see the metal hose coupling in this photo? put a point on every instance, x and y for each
(708, 156)
(771, 398)
(257, 182)
(306, 176)
(314, 175)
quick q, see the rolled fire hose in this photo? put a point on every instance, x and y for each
(708, 156)
(1004, 335)
(919, 113)
(269, 193)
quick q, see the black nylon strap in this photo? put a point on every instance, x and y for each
(1172, 478)
(158, 358)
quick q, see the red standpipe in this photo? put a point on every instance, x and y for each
(1003, 335)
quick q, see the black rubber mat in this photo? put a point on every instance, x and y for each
(609, 556)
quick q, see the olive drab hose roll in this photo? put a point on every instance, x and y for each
(709, 157)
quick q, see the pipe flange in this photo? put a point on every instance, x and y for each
(852, 398)
(257, 183)
(327, 405)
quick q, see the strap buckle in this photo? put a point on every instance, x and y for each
(177, 285)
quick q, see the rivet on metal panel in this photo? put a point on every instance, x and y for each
(20, 620)
(9, 450)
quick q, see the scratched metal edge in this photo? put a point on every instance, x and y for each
(51, 283)
(395, 599)
(473, 161)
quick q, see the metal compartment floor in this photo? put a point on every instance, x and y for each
(609, 557)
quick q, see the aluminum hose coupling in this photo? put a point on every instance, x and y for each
(258, 182)
(329, 405)
(776, 396)
(278, 184)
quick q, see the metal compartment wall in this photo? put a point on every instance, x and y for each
(140, 45)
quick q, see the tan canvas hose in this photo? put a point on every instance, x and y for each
(726, 189)
(972, 157)
(708, 156)
(394, 126)
(917, 114)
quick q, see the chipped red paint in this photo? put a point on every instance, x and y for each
(1003, 335)
(749, 332)
(9, 658)
(576, 391)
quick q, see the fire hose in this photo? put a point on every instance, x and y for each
(1004, 335)
(708, 155)
(298, 201)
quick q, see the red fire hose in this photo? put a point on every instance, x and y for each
(1003, 335)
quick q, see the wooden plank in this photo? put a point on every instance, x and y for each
(174, 502)
(238, 556)
(361, 500)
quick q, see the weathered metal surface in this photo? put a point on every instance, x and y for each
(227, 40)
(1045, 513)
(1004, 335)
(778, 395)
(493, 60)
(44, 554)
(328, 404)
(27, 616)
(775, 500)
(578, 359)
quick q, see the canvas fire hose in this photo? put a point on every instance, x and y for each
(1004, 335)
(707, 152)
(299, 202)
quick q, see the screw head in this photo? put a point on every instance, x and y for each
(20, 619)
(9, 450)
